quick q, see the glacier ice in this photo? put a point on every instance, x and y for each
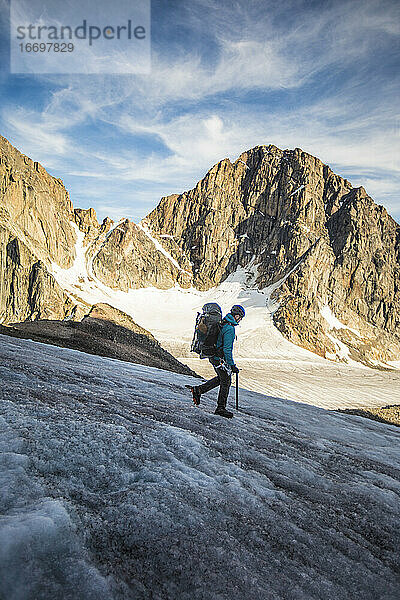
(114, 486)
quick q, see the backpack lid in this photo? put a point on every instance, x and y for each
(212, 308)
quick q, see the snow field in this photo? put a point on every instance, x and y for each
(116, 486)
(270, 363)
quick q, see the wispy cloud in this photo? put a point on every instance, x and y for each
(316, 76)
(35, 135)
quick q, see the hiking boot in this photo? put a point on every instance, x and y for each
(196, 395)
(222, 412)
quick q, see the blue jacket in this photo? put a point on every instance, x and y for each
(226, 337)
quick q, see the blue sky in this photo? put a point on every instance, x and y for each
(226, 76)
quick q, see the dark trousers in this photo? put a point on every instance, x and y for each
(223, 380)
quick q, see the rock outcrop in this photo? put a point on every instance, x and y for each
(27, 289)
(128, 258)
(105, 331)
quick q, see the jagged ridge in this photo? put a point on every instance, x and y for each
(282, 211)
(285, 208)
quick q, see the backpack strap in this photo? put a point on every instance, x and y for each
(219, 351)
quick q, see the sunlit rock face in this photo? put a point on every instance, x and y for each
(35, 231)
(35, 207)
(287, 212)
(331, 252)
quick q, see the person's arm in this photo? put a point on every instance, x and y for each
(227, 344)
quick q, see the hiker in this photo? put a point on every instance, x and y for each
(222, 362)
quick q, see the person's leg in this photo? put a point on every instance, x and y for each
(208, 385)
(205, 387)
(225, 384)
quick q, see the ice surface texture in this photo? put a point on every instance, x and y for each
(114, 486)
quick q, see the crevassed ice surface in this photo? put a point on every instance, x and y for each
(114, 486)
(270, 364)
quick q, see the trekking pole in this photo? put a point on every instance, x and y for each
(237, 391)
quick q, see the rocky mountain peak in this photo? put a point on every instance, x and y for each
(286, 213)
(87, 219)
(285, 216)
(266, 200)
